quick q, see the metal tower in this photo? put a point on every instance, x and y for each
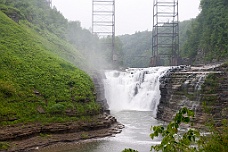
(165, 39)
(103, 21)
(49, 2)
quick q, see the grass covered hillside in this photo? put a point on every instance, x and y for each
(38, 78)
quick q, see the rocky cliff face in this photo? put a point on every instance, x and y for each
(99, 88)
(194, 87)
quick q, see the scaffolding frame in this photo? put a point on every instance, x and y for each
(103, 21)
(49, 3)
(165, 38)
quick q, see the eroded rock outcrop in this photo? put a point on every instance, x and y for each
(25, 131)
(186, 87)
(99, 88)
(29, 137)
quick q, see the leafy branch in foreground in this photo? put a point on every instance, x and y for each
(173, 140)
(129, 150)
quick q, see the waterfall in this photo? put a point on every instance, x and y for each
(134, 89)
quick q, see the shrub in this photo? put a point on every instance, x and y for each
(4, 146)
(129, 150)
(172, 140)
(57, 108)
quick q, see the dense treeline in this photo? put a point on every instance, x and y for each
(137, 49)
(39, 13)
(208, 36)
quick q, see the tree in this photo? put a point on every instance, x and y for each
(209, 34)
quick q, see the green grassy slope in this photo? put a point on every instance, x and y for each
(36, 83)
(56, 45)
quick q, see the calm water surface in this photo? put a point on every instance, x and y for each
(135, 135)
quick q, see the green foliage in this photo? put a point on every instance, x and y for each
(84, 135)
(129, 150)
(172, 139)
(218, 140)
(209, 33)
(57, 108)
(211, 84)
(81, 38)
(12, 12)
(137, 49)
(44, 135)
(4, 146)
(38, 12)
(7, 89)
(38, 70)
(105, 53)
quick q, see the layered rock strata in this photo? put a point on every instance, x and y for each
(184, 87)
(37, 136)
(99, 88)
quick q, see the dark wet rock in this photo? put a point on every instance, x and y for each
(41, 110)
(98, 78)
(181, 87)
(36, 92)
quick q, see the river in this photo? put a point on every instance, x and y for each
(135, 135)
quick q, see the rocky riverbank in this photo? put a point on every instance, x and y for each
(190, 87)
(37, 136)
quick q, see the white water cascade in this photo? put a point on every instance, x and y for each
(134, 89)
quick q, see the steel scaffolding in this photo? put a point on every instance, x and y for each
(165, 39)
(49, 2)
(103, 21)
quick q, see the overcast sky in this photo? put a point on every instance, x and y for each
(131, 15)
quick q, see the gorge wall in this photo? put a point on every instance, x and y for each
(98, 77)
(194, 87)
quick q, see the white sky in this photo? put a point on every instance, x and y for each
(131, 15)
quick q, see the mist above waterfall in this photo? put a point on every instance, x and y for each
(134, 89)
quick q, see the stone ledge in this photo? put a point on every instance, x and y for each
(40, 143)
(27, 131)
